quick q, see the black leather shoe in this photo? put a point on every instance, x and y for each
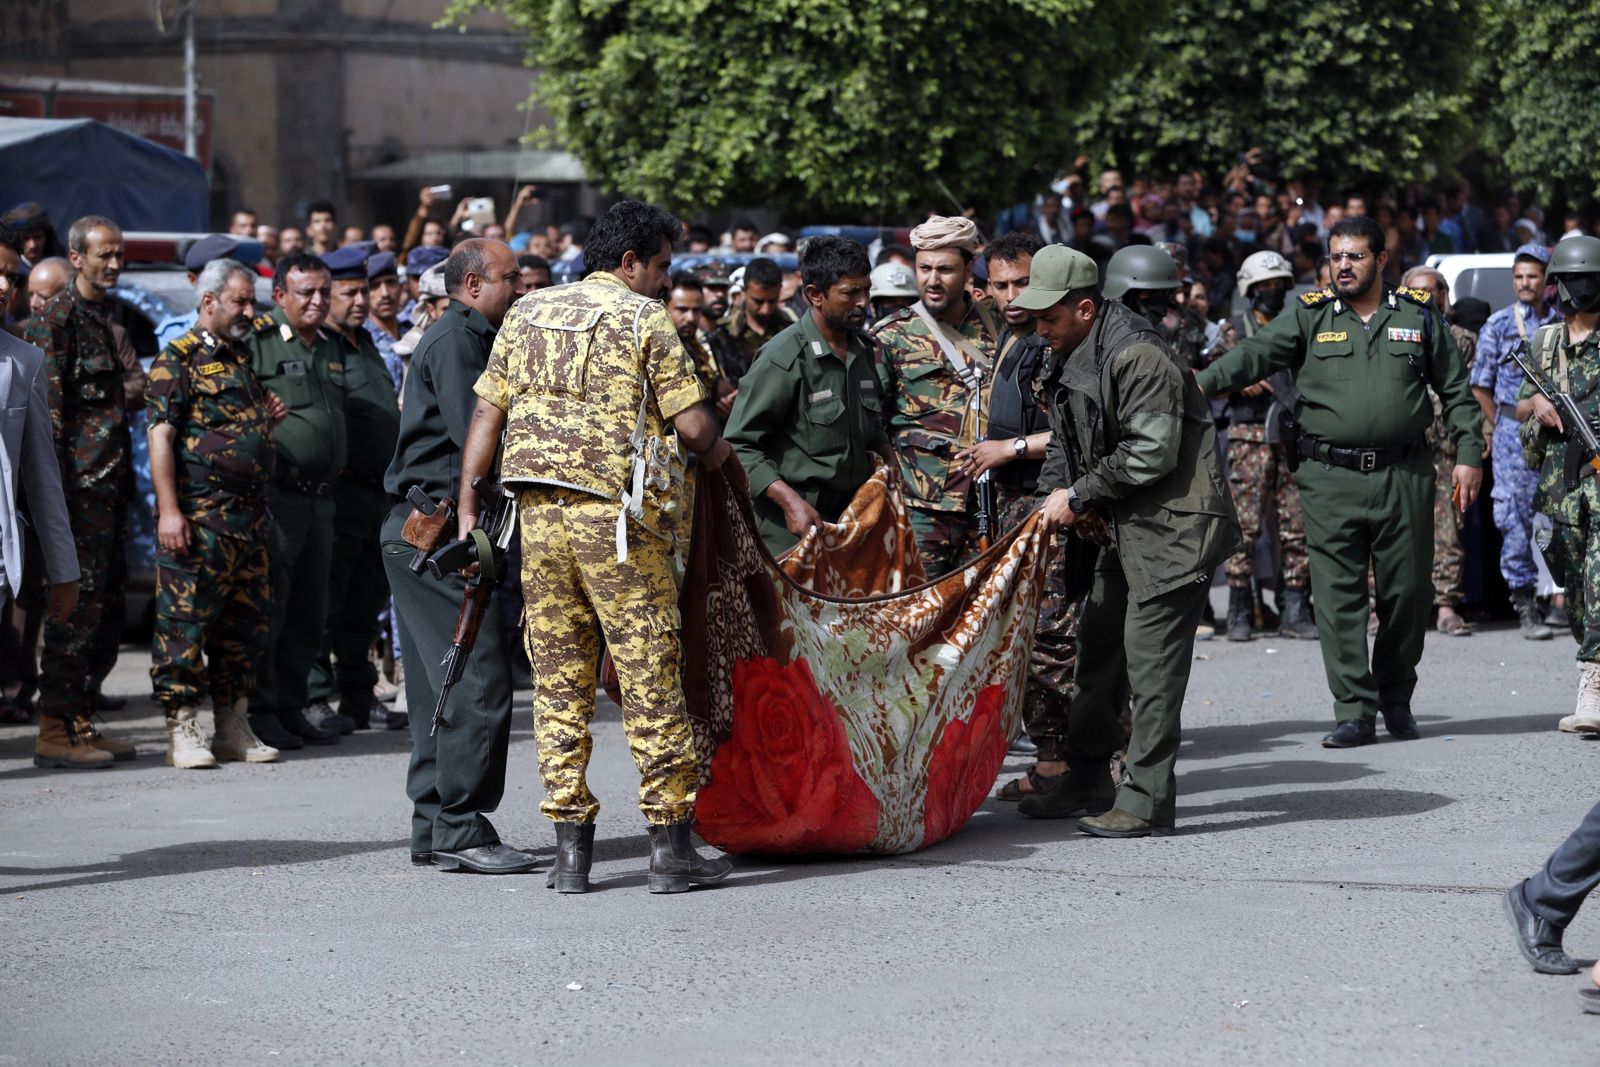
(358, 708)
(271, 732)
(1352, 733)
(574, 854)
(1539, 939)
(1400, 723)
(675, 865)
(487, 859)
(295, 722)
(1075, 795)
(422, 859)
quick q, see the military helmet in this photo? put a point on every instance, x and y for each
(1260, 267)
(892, 279)
(1140, 267)
(1575, 255)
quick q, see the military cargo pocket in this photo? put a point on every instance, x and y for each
(1334, 360)
(558, 357)
(293, 389)
(1404, 361)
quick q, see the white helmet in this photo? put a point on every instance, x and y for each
(1260, 267)
(892, 279)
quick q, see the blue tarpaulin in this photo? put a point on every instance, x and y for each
(77, 167)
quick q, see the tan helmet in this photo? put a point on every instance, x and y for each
(892, 279)
(1260, 267)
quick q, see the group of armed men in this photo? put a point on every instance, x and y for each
(283, 462)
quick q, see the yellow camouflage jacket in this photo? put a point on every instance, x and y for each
(569, 367)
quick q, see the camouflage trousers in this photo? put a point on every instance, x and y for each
(1047, 698)
(573, 591)
(1447, 553)
(75, 650)
(1573, 556)
(211, 619)
(945, 539)
(1260, 478)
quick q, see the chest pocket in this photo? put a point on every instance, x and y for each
(97, 376)
(1334, 360)
(295, 389)
(1403, 361)
(356, 376)
(563, 338)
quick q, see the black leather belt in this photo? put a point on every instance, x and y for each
(1365, 460)
(292, 479)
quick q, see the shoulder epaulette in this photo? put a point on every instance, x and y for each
(889, 320)
(1316, 298)
(1419, 297)
(264, 323)
(187, 345)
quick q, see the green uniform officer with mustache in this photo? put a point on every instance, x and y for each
(809, 416)
(1363, 358)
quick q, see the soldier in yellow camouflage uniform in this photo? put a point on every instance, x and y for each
(594, 391)
(931, 385)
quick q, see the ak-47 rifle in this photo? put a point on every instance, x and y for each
(987, 520)
(1583, 445)
(486, 547)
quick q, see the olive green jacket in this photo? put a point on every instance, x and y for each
(1132, 434)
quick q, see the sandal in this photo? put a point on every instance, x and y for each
(1454, 626)
(1037, 783)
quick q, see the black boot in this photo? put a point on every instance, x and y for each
(1296, 620)
(1529, 617)
(574, 854)
(271, 733)
(295, 722)
(1241, 612)
(674, 863)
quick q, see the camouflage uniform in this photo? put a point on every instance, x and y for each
(574, 367)
(1259, 475)
(735, 344)
(1447, 554)
(212, 599)
(930, 418)
(1573, 554)
(88, 413)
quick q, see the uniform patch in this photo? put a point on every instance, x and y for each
(212, 368)
(1403, 333)
(1316, 297)
(286, 332)
(295, 368)
(337, 368)
(1330, 336)
(821, 395)
(816, 347)
(869, 384)
(1416, 296)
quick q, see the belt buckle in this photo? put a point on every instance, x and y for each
(1369, 461)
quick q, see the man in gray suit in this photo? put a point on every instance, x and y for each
(28, 461)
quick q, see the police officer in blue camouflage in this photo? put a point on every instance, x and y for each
(1495, 382)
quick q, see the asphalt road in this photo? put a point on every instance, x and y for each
(1315, 907)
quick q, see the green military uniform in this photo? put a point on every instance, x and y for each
(89, 418)
(311, 452)
(809, 419)
(1574, 513)
(212, 598)
(1366, 486)
(1132, 437)
(931, 416)
(357, 588)
(456, 776)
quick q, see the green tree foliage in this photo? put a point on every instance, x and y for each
(1545, 79)
(836, 108)
(1350, 91)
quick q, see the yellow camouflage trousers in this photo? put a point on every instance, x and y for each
(574, 590)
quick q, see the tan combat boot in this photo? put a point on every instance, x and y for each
(235, 740)
(60, 745)
(1585, 718)
(120, 750)
(186, 745)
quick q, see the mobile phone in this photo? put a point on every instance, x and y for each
(440, 190)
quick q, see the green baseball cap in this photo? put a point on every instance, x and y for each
(1056, 271)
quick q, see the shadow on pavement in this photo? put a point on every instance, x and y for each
(193, 858)
(1309, 805)
(1273, 772)
(1532, 722)
(1210, 742)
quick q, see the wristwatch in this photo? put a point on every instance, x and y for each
(1019, 445)
(1075, 502)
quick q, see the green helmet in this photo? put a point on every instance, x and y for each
(1575, 255)
(1139, 267)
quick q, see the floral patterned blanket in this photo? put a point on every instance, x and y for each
(841, 703)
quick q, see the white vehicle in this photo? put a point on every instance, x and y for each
(1486, 276)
